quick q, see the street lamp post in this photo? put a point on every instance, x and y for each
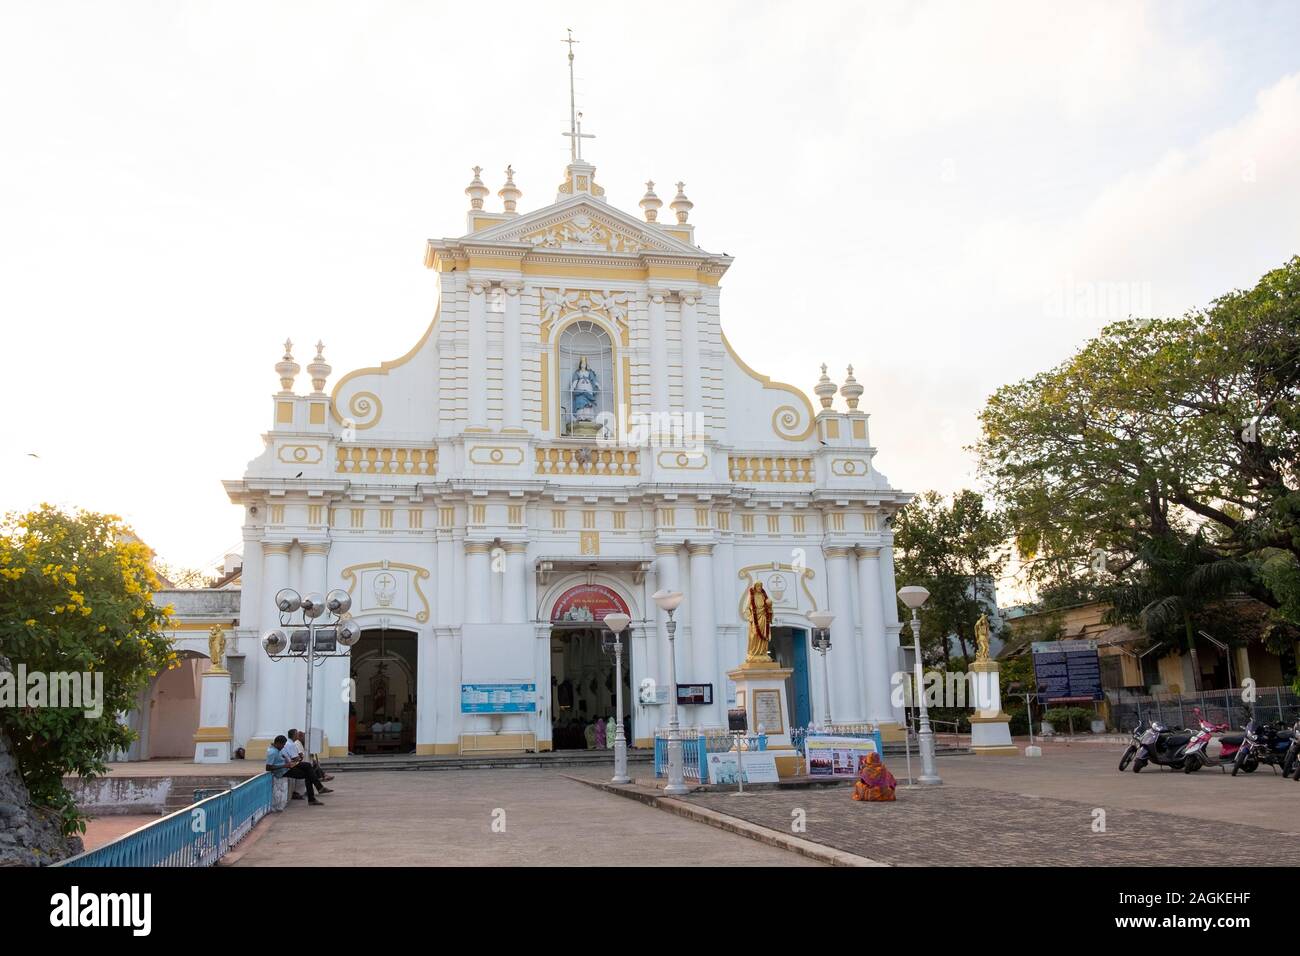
(914, 596)
(617, 623)
(321, 640)
(821, 642)
(668, 602)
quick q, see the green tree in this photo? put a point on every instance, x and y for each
(1175, 581)
(75, 597)
(1158, 427)
(955, 551)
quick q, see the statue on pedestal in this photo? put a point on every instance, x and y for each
(982, 638)
(217, 647)
(758, 612)
(584, 388)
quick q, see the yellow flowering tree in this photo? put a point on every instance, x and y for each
(75, 598)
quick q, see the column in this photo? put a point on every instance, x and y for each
(514, 609)
(667, 572)
(660, 402)
(426, 691)
(842, 658)
(647, 664)
(877, 666)
(703, 627)
(477, 371)
(443, 612)
(477, 557)
(272, 676)
(253, 611)
(691, 396)
(889, 607)
(512, 415)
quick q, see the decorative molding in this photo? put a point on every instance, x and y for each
(585, 460)
(681, 460)
(301, 454)
(558, 305)
(850, 467)
(383, 460)
(782, 469)
(352, 576)
(496, 455)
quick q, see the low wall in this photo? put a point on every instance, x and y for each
(121, 794)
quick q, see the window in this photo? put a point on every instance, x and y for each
(586, 381)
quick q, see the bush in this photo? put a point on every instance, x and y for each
(1061, 718)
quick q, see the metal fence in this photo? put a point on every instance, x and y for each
(696, 745)
(1270, 704)
(198, 835)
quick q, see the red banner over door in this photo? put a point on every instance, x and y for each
(588, 603)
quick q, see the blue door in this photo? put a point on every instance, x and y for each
(800, 692)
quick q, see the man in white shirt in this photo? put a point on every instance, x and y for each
(296, 754)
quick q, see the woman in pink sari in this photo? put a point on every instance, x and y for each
(874, 781)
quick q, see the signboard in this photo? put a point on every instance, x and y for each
(588, 604)
(737, 720)
(1067, 671)
(759, 767)
(768, 712)
(694, 693)
(498, 698)
(838, 756)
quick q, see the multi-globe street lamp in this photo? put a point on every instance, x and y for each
(319, 640)
(914, 596)
(668, 602)
(617, 624)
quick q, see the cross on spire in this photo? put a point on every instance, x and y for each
(575, 133)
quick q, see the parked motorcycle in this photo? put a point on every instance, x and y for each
(1155, 743)
(1291, 762)
(1265, 743)
(1196, 754)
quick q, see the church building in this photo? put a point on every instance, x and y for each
(571, 433)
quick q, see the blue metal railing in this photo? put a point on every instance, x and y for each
(198, 835)
(695, 748)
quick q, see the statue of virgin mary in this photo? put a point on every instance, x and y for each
(584, 387)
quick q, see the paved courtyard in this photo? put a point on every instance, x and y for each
(996, 811)
(991, 811)
(415, 818)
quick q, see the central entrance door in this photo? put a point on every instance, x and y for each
(582, 690)
(382, 717)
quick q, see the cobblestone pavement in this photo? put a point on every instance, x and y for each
(1010, 811)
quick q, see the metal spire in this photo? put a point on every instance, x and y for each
(575, 133)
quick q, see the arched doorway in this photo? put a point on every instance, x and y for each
(583, 691)
(381, 718)
(173, 710)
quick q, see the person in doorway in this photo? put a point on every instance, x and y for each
(279, 766)
(600, 733)
(874, 781)
(589, 734)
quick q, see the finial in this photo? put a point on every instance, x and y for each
(680, 204)
(825, 389)
(319, 369)
(650, 202)
(510, 193)
(852, 390)
(287, 368)
(476, 191)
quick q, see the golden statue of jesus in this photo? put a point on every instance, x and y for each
(982, 638)
(758, 612)
(217, 647)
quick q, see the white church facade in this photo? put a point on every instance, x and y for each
(570, 434)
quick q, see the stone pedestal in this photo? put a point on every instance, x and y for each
(212, 740)
(990, 729)
(761, 686)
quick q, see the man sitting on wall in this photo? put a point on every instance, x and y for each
(279, 765)
(295, 751)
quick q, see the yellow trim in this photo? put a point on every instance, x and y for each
(417, 573)
(256, 749)
(384, 367)
(284, 413)
(627, 379)
(767, 382)
(997, 751)
(317, 413)
(432, 750)
(496, 743)
(546, 392)
(859, 428)
(212, 735)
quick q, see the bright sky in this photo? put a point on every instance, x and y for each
(950, 196)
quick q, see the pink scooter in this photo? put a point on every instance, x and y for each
(1196, 753)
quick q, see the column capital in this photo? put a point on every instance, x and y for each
(700, 548)
(478, 547)
(478, 286)
(512, 286)
(666, 548)
(834, 553)
(867, 551)
(659, 296)
(315, 547)
(275, 547)
(515, 547)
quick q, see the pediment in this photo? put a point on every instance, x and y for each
(581, 225)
